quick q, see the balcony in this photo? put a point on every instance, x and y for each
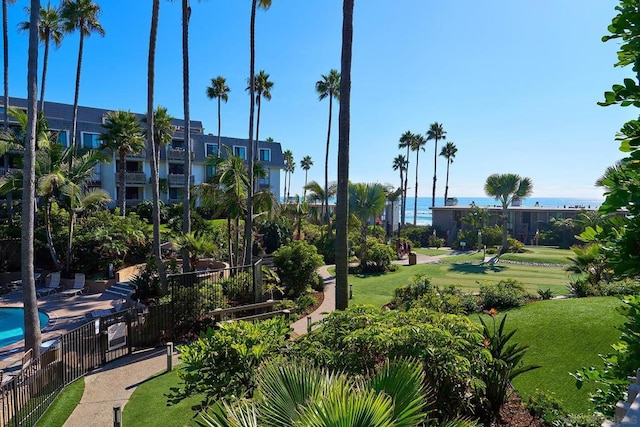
(4, 171)
(133, 178)
(142, 154)
(178, 154)
(178, 180)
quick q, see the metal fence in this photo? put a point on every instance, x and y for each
(27, 395)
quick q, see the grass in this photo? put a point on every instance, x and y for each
(148, 405)
(432, 251)
(64, 405)
(563, 335)
(377, 289)
(541, 254)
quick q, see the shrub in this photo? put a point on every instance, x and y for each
(419, 235)
(274, 235)
(379, 257)
(421, 293)
(545, 293)
(238, 288)
(515, 246)
(545, 406)
(326, 247)
(303, 302)
(435, 242)
(505, 294)
(297, 263)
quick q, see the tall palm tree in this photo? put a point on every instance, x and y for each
(291, 167)
(186, 203)
(262, 87)
(264, 4)
(288, 158)
(328, 87)
(50, 29)
(405, 142)
(80, 15)
(401, 163)
(5, 46)
(306, 164)
(123, 136)
(504, 188)
(344, 126)
(448, 152)
(417, 143)
(220, 91)
(435, 132)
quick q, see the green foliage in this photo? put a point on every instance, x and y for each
(418, 235)
(623, 362)
(238, 288)
(274, 235)
(491, 236)
(506, 293)
(144, 209)
(147, 283)
(505, 363)
(545, 294)
(379, 257)
(223, 362)
(546, 406)
(297, 263)
(421, 293)
(515, 246)
(435, 242)
(303, 302)
(582, 287)
(326, 248)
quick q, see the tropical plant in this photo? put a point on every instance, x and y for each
(590, 261)
(317, 192)
(123, 136)
(505, 188)
(405, 142)
(5, 46)
(288, 160)
(297, 263)
(366, 202)
(50, 29)
(417, 143)
(80, 15)
(448, 152)
(262, 88)
(436, 132)
(328, 87)
(305, 164)
(219, 91)
(290, 166)
(507, 293)
(198, 245)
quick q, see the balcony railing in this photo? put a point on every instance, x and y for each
(142, 154)
(178, 154)
(133, 177)
(178, 179)
(4, 171)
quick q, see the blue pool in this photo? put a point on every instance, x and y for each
(11, 325)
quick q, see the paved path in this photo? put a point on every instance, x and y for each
(328, 304)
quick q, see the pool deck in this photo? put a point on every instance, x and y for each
(65, 314)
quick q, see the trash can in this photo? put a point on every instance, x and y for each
(413, 258)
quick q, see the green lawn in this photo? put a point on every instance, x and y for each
(541, 254)
(377, 289)
(432, 251)
(149, 406)
(64, 405)
(563, 335)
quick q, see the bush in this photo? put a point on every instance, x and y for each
(238, 288)
(421, 293)
(545, 293)
(419, 235)
(545, 406)
(581, 287)
(303, 302)
(435, 242)
(274, 235)
(379, 257)
(515, 246)
(505, 294)
(297, 263)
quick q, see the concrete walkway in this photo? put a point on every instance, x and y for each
(328, 304)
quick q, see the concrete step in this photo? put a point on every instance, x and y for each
(123, 289)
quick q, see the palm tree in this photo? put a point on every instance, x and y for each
(317, 194)
(123, 135)
(5, 45)
(306, 164)
(417, 143)
(344, 126)
(504, 188)
(366, 201)
(291, 167)
(81, 15)
(400, 163)
(449, 152)
(435, 132)
(288, 158)
(220, 91)
(262, 88)
(405, 142)
(50, 29)
(328, 87)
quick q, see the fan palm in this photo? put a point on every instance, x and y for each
(417, 143)
(288, 158)
(317, 193)
(220, 91)
(80, 15)
(50, 29)
(366, 201)
(306, 164)
(262, 88)
(449, 152)
(400, 163)
(328, 87)
(123, 135)
(504, 188)
(290, 166)
(436, 132)
(405, 142)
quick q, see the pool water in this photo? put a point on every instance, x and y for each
(12, 327)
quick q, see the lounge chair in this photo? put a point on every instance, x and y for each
(53, 286)
(78, 286)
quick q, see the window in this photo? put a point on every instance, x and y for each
(265, 155)
(90, 140)
(176, 193)
(210, 171)
(133, 193)
(265, 182)
(177, 144)
(240, 151)
(176, 169)
(211, 150)
(62, 137)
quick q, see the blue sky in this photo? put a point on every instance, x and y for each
(514, 82)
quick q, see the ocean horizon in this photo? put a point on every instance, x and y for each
(424, 203)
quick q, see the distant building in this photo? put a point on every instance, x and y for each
(138, 165)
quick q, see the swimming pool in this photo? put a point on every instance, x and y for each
(11, 325)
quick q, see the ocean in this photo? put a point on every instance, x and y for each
(424, 203)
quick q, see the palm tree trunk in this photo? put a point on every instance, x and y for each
(45, 62)
(248, 225)
(304, 194)
(219, 128)
(415, 199)
(259, 102)
(32, 335)
(47, 223)
(74, 125)
(186, 215)
(404, 193)
(229, 246)
(284, 192)
(121, 178)
(325, 207)
(344, 120)
(155, 150)
(403, 199)
(505, 215)
(435, 164)
(446, 185)
(72, 220)
(289, 186)
(5, 45)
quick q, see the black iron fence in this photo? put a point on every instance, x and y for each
(25, 396)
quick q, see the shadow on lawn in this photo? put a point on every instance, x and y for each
(483, 268)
